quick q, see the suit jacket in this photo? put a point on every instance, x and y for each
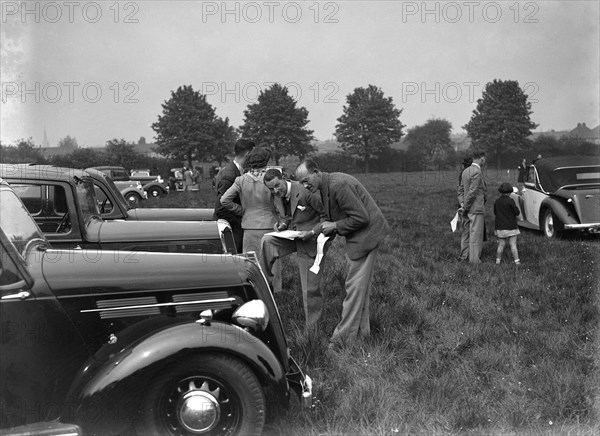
(472, 192)
(306, 210)
(256, 207)
(223, 182)
(356, 215)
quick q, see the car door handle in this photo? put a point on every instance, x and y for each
(22, 295)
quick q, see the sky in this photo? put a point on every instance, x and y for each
(98, 70)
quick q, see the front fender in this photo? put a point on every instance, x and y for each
(107, 394)
(561, 211)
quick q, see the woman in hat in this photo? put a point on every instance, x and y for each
(506, 212)
(256, 208)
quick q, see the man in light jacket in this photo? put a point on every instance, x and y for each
(472, 193)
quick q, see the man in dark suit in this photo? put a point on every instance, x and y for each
(350, 211)
(472, 192)
(223, 182)
(299, 210)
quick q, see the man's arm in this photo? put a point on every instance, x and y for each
(357, 215)
(228, 197)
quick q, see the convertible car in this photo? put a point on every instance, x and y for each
(561, 194)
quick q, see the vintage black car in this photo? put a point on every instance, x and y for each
(117, 342)
(63, 203)
(561, 194)
(114, 206)
(152, 187)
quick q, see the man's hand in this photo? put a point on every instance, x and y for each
(306, 235)
(328, 228)
(279, 227)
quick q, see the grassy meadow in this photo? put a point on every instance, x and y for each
(455, 348)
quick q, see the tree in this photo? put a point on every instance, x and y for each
(369, 124)
(68, 143)
(275, 121)
(23, 151)
(186, 128)
(430, 144)
(121, 153)
(225, 136)
(500, 123)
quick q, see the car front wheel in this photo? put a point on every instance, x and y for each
(210, 394)
(154, 192)
(133, 199)
(551, 225)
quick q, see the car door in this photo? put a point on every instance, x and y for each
(40, 349)
(52, 206)
(532, 198)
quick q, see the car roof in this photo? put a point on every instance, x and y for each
(546, 168)
(42, 172)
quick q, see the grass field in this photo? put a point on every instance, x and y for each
(455, 348)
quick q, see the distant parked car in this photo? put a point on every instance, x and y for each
(153, 185)
(63, 203)
(114, 206)
(561, 194)
(126, 342)
(133, 191)
(176, 180)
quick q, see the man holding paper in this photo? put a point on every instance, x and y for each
(298, 212)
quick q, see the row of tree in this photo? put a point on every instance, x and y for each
(188, 129)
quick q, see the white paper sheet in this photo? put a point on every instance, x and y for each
(321, 239)
(454, 222)
(285, 234)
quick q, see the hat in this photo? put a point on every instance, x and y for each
(258, 157)
(505, 188)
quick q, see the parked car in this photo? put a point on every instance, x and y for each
(114, 206)
(561, 194)
(134, 191)
(63, 203)
(113, 342)
(176, 180)
(153, 185)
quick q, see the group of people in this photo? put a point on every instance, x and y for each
(191, 178)
(472, 196)
(260, 202)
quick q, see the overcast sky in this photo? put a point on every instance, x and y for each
(101, 70)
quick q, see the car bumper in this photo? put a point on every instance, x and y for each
(592, 227)
(300, 383)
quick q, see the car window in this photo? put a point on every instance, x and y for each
(31, 196)
(120, 175)
(87, 199)
(530, 178)
(104, 203)
(9, 273)
(17, 224)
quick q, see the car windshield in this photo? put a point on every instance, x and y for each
(86, 198)
(116, 192)
(16, 222)
(576, 176)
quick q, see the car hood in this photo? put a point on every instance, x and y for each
(585, 201)
(100, 231)
(170, 214)
(99, 271)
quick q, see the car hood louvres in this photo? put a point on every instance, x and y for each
(122, 307)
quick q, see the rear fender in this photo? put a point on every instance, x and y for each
(560, 211)
(106, 395)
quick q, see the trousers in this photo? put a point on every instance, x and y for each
(355, 308)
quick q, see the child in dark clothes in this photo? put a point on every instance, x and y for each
(506, 212)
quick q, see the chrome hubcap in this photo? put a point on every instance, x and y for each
(549, 225)
(198, 409)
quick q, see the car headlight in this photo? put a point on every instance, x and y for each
(252, 315)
